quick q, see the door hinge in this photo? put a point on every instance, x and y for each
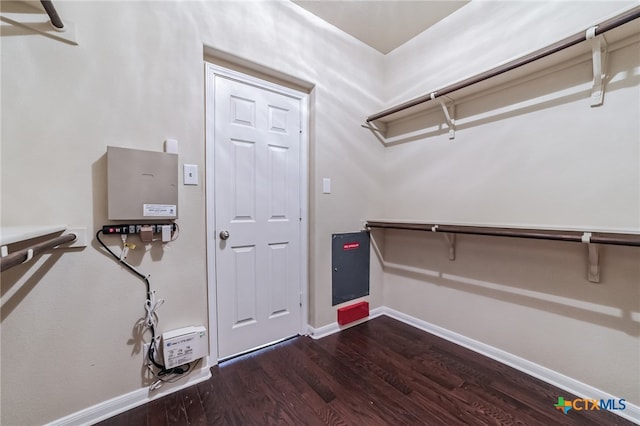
(301, 299)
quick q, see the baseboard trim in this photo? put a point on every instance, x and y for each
(582, 390)
(138, 397)
(318, 333)
(122, 403)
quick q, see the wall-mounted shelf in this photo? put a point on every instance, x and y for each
(591, 41)
(71, 237)
(15, 234)
(591, 239)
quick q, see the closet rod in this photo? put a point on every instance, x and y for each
(56, 21)
(601, 28)
(21, 256)
(541, 234)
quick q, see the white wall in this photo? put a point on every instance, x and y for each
(535, 154)
(137, 77)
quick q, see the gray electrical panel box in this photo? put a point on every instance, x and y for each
(141, 185)
(350, 266)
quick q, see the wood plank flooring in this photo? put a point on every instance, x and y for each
(382, 372)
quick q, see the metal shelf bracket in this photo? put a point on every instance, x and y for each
(377, 128)
(593, 269)
(451, 240)
(599, 57)
(451, 122)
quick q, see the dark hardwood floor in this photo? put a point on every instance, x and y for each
(382, 372)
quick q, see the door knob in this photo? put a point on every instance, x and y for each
(224, 235)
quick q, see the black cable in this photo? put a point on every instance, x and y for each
(178, 375)
(145, 278)
(151, 352)
(131, 268)
(53, 14)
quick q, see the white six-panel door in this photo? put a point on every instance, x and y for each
(257, 186)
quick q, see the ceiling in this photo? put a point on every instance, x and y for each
(382, 24)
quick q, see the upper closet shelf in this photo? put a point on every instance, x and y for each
(518, 68)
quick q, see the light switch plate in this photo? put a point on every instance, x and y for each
(190, 174)
(326, 186)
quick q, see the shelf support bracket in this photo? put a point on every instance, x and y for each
(451, 240)
(599, 58)
(451, 122)
(594, 263)
(593, 269)
(380, 128)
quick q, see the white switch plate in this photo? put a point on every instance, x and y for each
(326, 186)
(190, 174)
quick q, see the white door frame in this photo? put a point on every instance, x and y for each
(211, 71)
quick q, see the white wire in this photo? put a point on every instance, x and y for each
(176, 233)
(125, 248)
(151, 306)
